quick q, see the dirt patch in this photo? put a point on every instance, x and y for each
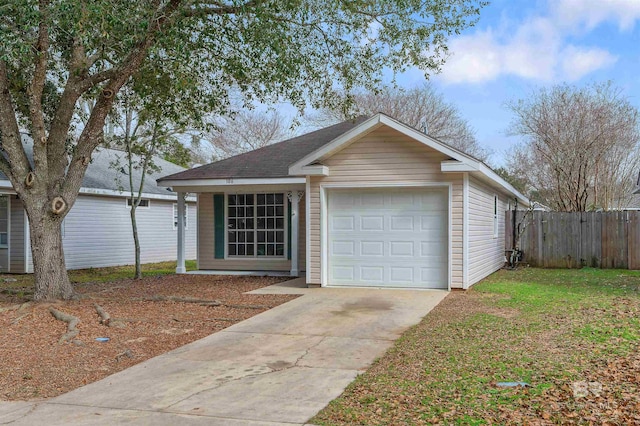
(34, 365)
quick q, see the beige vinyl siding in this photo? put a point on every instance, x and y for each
(388, 156)
(16, 236)
(486, 252)
(206, 242)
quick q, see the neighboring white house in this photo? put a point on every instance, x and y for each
(97, 230)
(370, 203)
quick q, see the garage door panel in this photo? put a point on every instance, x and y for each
(388, 238)
(343, 223)
(343, 248)
(372, 223)
(372, 248)
(401, 248)
(401, 223)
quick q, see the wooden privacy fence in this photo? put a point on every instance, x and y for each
(574, 240)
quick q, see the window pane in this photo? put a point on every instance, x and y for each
(261, 211)
(241, 237)
(279, 249)
(249, 237)
(280, 236)
(279, 198)
(240, 199)
(279, 211)
(262, 249)
(232, 237)
(240, 223)
(249, 223)
(260, 199)
(232, 212)
(261, 236)
(232, 249)
(262, 223)
(249, 249)
(249, 199)
(270, 250)
(270, 210)
(232, 200)
(3, 239)
(248, 212)
(269, 198)
(280, 223)
(240, 249)
(240, 211)
(232, 224)
(270, 236)
(271, 223)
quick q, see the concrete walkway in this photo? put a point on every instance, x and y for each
(279, 367)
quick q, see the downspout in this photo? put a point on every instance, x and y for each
(513, 225)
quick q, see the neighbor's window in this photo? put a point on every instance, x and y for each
(495, 216)
(175, 216)
(4, 221)
(143, 202)
(255, 225)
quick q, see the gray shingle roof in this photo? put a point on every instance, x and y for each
(271, 161)
(101, 175)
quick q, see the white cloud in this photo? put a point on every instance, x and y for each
(591, 13)
(535, 49)
(578, 62)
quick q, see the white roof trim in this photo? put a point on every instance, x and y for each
(462, 160)
(177, 183)
(455, 166)
(315, 170)
(5, 184)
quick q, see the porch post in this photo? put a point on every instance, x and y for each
(180, 267)
(294, 198)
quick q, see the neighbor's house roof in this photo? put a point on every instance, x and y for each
(102, 177)
(303, 155)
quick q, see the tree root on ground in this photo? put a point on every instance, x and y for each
(105, 318)
(201, 302)
(71, 321)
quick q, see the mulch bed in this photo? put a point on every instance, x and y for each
(34, 365)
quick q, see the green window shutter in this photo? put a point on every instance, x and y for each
(289, 230)
(218, 219)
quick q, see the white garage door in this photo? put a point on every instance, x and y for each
(388, 238)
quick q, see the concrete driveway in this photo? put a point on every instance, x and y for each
(279, 367)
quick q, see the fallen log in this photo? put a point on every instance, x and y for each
(203, 302)
(71, 321)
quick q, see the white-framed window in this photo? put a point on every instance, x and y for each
(256, 225)
(144, 203)
(495, 216)
(175, 216)
(4, 221)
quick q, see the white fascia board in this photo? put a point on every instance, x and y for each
(126, 194)
(176, 184)
(486, 171)
(5, 184)
(315, 170)
(455, 166)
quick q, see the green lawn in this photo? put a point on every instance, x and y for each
(549, 328)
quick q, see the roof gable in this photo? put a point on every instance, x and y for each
(368, 126)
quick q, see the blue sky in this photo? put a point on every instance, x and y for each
(519, 46)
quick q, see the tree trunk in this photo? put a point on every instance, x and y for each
(51, 279)
(136, 240)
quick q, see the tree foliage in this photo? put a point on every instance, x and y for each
(56, 53)
(581, 146)
(421, 107)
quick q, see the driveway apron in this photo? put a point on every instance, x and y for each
(279, 367)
